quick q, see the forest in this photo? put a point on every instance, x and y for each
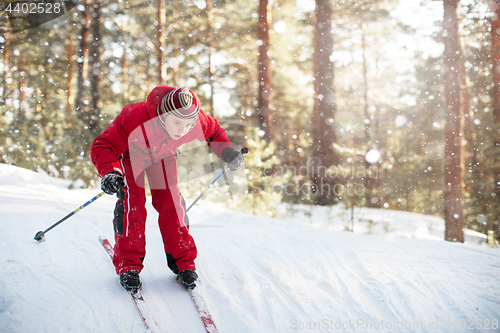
(390, 104)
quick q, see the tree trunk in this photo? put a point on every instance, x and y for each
(95, 70)
(264, 97)
(69, 72)
(161, 42)
(324, 103)
(209, 53)
(365, 85)
(125, 77)
(6, 51)
(368, 125)
(22, 88)
(494, 224)
(454, 163)
(470, 154)
(83, 57)
(495, 50)
(175, 52)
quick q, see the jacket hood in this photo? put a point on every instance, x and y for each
(154, 99)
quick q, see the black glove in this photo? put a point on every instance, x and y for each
(112, 182)
(233, 158)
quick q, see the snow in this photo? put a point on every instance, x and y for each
(258, 274)
(373, 156)
(381, 222)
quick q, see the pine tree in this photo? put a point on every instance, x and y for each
(454, 163)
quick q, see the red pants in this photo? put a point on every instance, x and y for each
(130, 219)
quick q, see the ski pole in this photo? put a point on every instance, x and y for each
(243, 151)
(40, 234)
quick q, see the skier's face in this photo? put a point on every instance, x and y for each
(177, 127)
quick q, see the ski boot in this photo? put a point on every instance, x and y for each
(188, 278)
(130, 281)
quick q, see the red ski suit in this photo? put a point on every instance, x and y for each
(135, 144)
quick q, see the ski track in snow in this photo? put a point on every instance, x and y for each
(256, 274)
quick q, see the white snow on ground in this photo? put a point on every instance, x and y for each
(258, 275)
(381, 222)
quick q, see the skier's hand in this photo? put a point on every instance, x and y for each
(233, 158)
(112, 182)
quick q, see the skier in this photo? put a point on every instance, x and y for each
(143, 140)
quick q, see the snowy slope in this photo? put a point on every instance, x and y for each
(381, 222)
(259, 275)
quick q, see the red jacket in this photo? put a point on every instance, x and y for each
(137, 135)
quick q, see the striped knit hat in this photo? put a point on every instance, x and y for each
(180, 102)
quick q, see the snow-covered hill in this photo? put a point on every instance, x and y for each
(258, 275)
(372, 221)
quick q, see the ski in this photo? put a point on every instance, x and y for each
(137, 297)
(202, 308)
